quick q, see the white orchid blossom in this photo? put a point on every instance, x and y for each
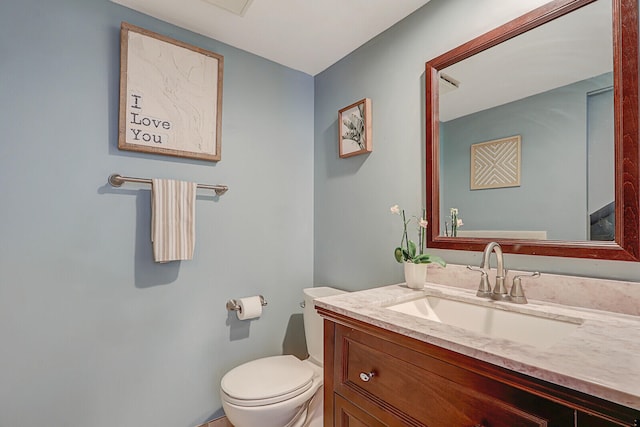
(408, 251)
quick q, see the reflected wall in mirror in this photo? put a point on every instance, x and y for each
(542, 86)
(564, 78)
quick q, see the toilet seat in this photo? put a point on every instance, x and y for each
(267, 381)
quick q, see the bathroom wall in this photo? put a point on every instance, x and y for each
(355, 234)
(92, 332)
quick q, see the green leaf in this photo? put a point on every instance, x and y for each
(422, 259)
(412, 249)
(397, 254)
(428, 259)
(438, 260)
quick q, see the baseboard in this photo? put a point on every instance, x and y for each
(218, 422)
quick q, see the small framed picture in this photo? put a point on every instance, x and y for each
(496, 164)
(354, 124)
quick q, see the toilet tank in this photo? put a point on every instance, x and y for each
(313, 323)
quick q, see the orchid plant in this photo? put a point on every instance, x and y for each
(455, 223)
(408, 251)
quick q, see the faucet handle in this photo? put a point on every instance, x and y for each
(484, 289)
(517, 293)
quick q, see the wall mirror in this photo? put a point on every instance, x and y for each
(532, 135)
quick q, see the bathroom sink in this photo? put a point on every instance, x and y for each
(489, 320)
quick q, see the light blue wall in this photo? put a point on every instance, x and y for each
(92, 332)
(354, 232)
(552, 195)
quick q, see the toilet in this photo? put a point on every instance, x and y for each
(276, 391)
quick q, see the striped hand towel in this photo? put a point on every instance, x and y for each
(173, 219)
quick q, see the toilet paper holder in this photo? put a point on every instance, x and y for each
(232, 304)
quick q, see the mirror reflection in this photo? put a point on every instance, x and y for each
(527, 134)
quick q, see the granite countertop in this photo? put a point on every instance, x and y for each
(601, 357)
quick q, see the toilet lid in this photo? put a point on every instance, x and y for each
(267, 380)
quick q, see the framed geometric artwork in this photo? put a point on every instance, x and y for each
(496, 164)
(170, 96)
(354, 124)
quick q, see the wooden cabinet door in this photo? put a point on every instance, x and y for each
(349, 415)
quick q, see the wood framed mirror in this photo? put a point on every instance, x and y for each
(624, 241)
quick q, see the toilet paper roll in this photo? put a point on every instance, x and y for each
(250, 308)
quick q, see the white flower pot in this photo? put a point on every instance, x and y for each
(415, 275)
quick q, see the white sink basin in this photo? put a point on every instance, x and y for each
(535, 330)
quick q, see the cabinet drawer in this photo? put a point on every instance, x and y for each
(585, 420)
(424, 396)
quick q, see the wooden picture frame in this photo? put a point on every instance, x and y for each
(354, 129)
(170, 96)
(496, 164)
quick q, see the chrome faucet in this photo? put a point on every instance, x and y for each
(499, 291)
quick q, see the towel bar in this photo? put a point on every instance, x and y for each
(117, 180)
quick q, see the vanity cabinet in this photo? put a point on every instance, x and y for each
(377, 378)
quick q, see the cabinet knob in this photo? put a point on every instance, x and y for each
(366, 377)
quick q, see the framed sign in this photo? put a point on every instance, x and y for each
(354, 124)
(496, 164)
(170, 96)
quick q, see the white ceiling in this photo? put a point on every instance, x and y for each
(308, 36)
(314, 34)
